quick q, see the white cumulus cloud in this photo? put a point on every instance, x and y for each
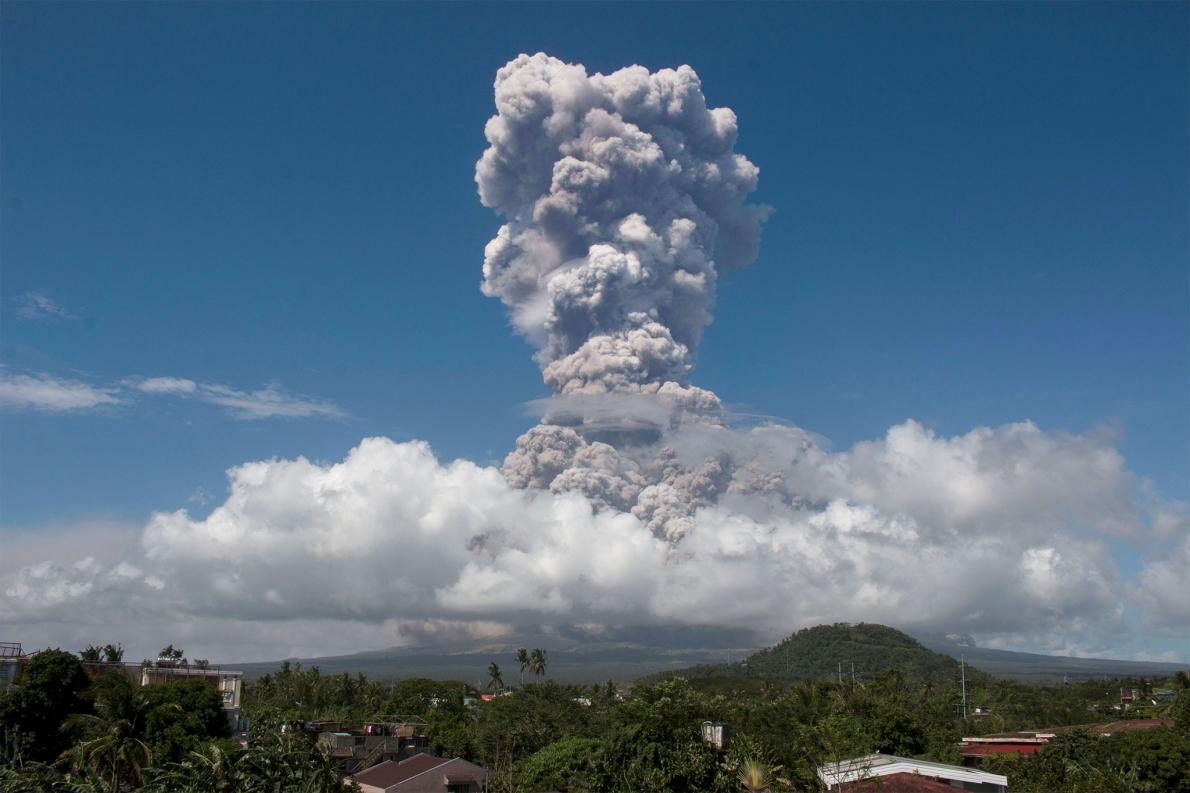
(392, 533)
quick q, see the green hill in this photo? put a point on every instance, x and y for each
(826, 651)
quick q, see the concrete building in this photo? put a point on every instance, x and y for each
(11, 657)
(891, 774)
(423, 773)
(229, 684)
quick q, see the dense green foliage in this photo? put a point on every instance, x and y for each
(1147, 761)
(31, 715)
(279, 763)
(66, 732)
(293, 693)
(115, 736)
(181, 717)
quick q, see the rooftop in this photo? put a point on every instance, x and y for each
(390, 773)
(878, 765)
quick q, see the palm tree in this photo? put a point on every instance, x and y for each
(116, 753)
(210, 769)
(522, 658)
(537, 661)
(113, 747)
(495, 680)
(754, 776)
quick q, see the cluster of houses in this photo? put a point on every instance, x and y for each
(389, 754)
(1024, 742)
(904, 775)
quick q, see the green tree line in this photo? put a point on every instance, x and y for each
(63, 731)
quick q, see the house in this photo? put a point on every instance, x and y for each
(384, 738)
(891, 774)
(423, 773)
(974, 749)
(1165, 695)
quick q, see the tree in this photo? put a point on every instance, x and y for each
(1180, 711)
(172, 654)
(90, 653)
(113, 746)
(522, 659)
(656, 745)
(537, 661)
(567, 765)
(755, 776)
(50, 688)
(419, 696)
(495, 679)
(1148, 760)
(181, 716)
(113, 653)
(274, 763)
(509, 729)
(211, 769)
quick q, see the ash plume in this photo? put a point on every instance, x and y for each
(623, 195)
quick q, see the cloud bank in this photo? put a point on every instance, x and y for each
(45, 393)
(637, 499)
(272, 401)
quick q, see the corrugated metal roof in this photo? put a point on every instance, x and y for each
(880, 765)
(388, 773)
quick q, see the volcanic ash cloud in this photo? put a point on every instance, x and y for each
(622, 193)
(635, 500)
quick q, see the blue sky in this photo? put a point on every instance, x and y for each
(980, 217)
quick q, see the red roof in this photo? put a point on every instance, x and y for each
(898, 783)
(1006, 747)
(388, 773)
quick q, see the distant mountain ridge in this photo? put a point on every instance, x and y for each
(628, 654)
(1035, 667)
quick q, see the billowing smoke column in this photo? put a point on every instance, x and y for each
(619, 191)
(622, 194)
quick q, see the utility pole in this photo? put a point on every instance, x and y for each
(840, 673)
(963, 679)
